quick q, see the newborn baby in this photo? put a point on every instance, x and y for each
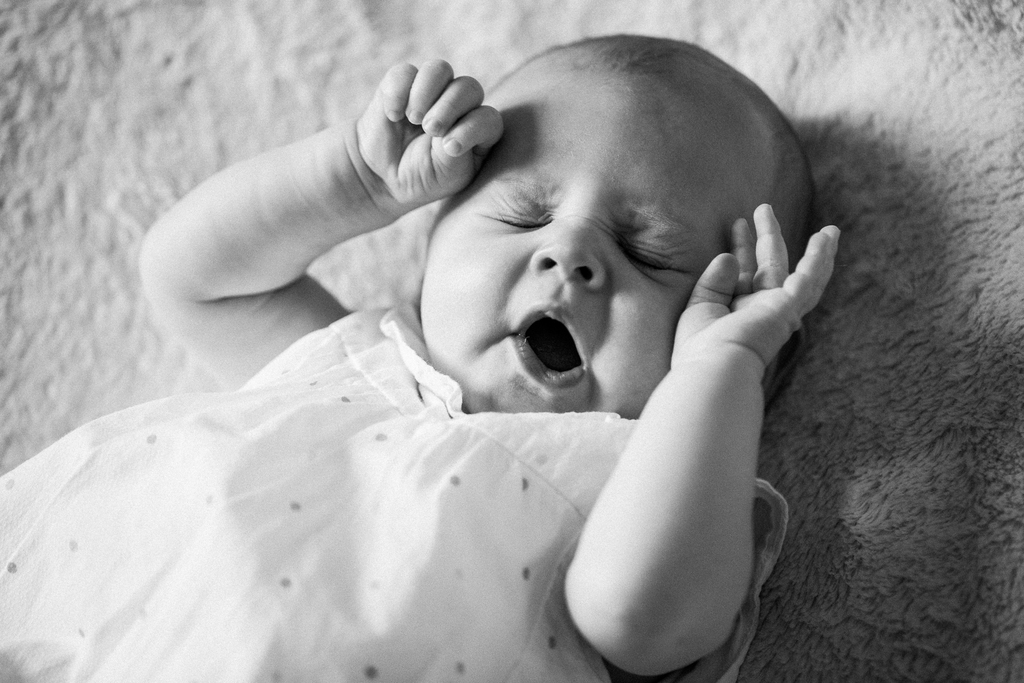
(546, 471)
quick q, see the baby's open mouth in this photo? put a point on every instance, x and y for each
(553, 345)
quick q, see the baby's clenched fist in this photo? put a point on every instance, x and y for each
(425, 134)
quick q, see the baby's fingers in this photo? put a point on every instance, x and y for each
(431, 80)
(772, 261)
(807, 283)
(743, 246)
(711, 296)
(478, 130)
(394, 90)
(717, 283)
(462, 95)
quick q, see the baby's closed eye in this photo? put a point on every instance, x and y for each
(521, 212)
(643, 256)
(518, 220)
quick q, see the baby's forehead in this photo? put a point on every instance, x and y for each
(666, 103)
(680, 75)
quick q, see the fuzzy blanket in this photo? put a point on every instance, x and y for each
(899, 440)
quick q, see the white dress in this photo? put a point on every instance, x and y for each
(337, 519)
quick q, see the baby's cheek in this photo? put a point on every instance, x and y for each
(629, 382)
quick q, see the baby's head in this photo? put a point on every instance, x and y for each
(554, 282)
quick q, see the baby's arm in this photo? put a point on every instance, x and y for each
(226, 268)
(664, 561)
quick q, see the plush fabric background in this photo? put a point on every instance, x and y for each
(899, 440)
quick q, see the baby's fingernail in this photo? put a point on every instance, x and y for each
(453, 147)
(433, 126)
(415, 116)
(394, 115)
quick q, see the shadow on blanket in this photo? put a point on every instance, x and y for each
(898, 439)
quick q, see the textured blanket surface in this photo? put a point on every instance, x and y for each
(899, 440)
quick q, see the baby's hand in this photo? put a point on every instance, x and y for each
(748, 298)
(425, 134)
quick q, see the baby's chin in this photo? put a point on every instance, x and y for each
(504, 400)
(516, 395)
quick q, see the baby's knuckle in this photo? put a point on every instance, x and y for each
(441, 112)
(397, 80)
(391, 91)
(437, 67)
(493, 118)
(400, 71)
(469, 86)
(487, 114)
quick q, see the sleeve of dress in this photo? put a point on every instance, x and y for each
(771, 515)
(321, 349)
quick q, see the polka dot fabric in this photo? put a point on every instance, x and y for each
(339, 518)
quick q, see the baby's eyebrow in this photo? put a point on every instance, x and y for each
(652, 217)
(660, 230)
(525, 191)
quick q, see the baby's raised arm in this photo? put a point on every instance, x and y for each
(665, 558)
(225, 268)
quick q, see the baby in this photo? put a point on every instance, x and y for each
(590, 258)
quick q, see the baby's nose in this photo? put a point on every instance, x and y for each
(573, 253)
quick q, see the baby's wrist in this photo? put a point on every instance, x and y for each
(357, 191)
(731, 355)
(376, 191)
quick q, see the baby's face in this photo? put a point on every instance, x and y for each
(554, 282)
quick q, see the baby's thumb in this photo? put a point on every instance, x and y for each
(717, 284)
(711, 296)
